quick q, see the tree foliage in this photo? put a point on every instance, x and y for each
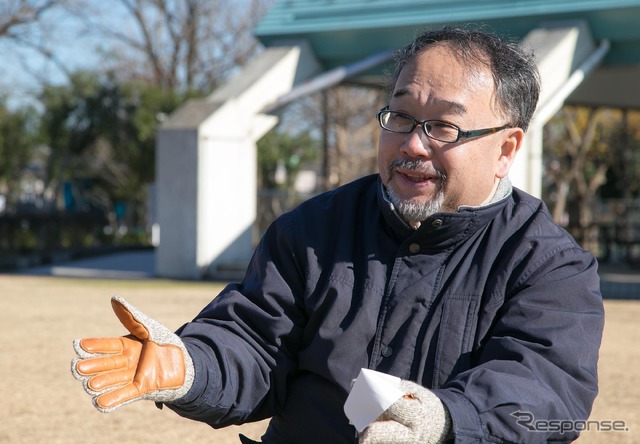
(96, 128)
(623, 181)
(103, 132)
(17, 140)
(586, 148)
(285, 153)
(343, 119)
(351, 133)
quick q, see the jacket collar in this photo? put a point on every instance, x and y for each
(443, 230)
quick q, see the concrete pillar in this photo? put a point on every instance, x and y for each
(561, 49)
(206, 167)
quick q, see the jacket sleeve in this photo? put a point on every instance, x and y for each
(535, 377)
(244, 343)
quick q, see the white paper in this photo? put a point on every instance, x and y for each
(372, 393)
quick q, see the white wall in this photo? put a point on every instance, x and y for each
(206, 169)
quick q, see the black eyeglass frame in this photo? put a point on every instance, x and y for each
(462, 134)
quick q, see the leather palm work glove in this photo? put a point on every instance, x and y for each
(419, 417)
(151, 363)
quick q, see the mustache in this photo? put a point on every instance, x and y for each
(416, 165)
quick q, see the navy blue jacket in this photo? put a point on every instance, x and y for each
(494, 308)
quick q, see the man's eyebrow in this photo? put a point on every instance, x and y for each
(449, 106)
(455, 107)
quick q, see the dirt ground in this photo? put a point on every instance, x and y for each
(42, 403)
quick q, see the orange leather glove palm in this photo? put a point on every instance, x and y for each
(151, 363)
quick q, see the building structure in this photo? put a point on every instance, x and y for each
(588, 52)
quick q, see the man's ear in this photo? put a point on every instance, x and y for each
(510, 146)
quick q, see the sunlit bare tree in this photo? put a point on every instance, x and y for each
(28, 25)
(177, 44)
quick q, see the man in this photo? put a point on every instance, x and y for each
(436, 271)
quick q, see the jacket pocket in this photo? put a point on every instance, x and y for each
(457, 326)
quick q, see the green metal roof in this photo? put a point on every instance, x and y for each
(343, 31)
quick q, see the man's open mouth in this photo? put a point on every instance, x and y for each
(417, 177)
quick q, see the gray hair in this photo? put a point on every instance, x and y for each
(516, 77)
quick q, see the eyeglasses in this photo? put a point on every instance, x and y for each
(398, 122)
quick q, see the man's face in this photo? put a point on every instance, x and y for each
(423, 175)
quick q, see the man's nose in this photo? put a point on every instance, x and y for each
(417, 144)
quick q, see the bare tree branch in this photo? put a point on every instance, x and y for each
(20, 13)
(180, 44)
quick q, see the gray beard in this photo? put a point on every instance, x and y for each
(413, 212)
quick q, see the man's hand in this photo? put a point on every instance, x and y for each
(150, 363)
(419, 417)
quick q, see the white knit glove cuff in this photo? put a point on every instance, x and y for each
(419, 417)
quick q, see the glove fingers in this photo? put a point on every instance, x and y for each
(406, 411)
(386, 432)
(93, 366)
(118, 397)
(90, 347)
(128, 314)
(109, 380)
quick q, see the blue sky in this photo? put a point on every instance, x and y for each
(21, 68)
